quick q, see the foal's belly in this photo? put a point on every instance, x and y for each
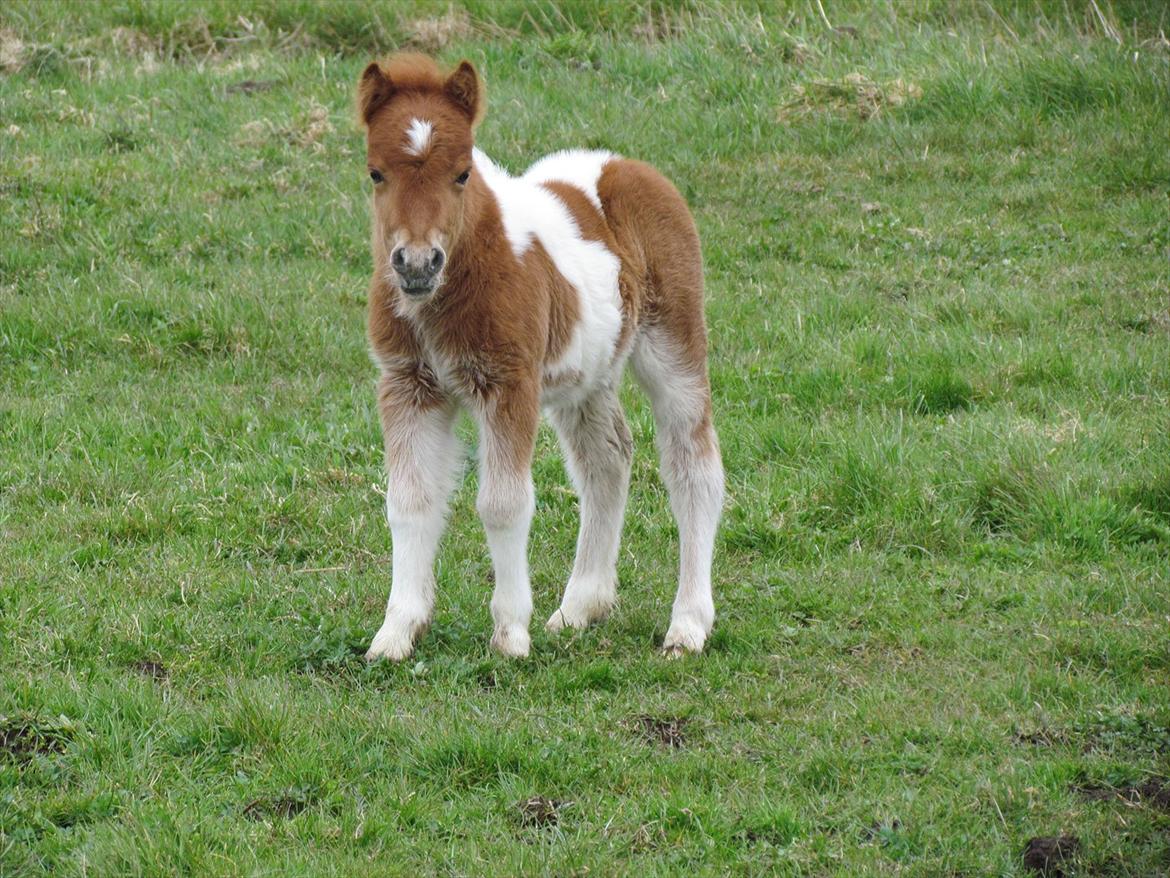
(589, 360)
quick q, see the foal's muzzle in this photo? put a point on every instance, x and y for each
(418, 268)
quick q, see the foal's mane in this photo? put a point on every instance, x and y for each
(412, 71)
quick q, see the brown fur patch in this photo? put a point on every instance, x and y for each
(564, 306)
(412, 385)
(588, 218)
(651, 223)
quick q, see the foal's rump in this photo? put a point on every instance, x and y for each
(661, 254)
(596, 204)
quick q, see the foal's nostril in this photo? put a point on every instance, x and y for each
(417, 267)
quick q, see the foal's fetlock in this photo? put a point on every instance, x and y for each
(686, 635)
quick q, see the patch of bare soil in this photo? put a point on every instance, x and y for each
(148, 668)
(251, 86)
(486, 679)
(1048, 855)
(667, 731)
(540, 811)
(1154, 791)
(23, 737)
(286, 806)
(1040, 737)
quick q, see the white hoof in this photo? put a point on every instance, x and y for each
(511, 641)
(395, 639)
(685, 636)
(573, 617)
(593, 605)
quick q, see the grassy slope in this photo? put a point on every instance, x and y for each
(941, 372)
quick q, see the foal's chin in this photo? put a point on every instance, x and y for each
(417, 295)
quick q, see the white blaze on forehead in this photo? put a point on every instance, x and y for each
(418, 136)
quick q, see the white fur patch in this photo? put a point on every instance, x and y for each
(418, 136)
(530, 212)
(577, 167)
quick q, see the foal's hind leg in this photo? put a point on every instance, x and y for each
(598, 449)
(693, 472)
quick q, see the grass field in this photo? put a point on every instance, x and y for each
(937, 240)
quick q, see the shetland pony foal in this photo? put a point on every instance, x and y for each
(504, 295)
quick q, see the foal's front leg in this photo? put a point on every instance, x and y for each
(422, 463)
(505, 504)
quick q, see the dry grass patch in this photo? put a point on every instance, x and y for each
(854, 95)
(436, 33)
(309, 129)
(12, 51)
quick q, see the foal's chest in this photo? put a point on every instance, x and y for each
(471, 377)
(476, 380)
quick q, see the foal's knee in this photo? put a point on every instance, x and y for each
(505, 501)
(406, 504)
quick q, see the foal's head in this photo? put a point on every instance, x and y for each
(419, 125)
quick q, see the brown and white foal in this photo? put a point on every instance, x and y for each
(505, 295)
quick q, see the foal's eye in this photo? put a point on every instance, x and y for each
(376, 176)
(461, 180)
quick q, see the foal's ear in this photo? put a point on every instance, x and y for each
(465, 90)
(374, 89)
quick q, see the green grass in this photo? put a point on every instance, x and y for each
(940, 336)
